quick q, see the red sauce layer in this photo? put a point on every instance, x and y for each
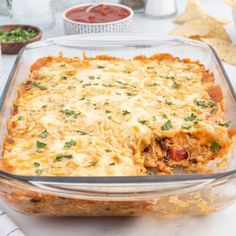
(98, 14)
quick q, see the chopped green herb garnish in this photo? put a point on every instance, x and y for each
(167, 125)
(214, 146)
(109, 117)
(200, 103)
(60, 157)
(38, 172)
(186, 127)
(168, 103)
(107, 112)
(107, 85)
(226, 124)
(64, 77)
(142, 122)
(118, 93)
(44, 134)
(86, 85)
(112, 164)
(70, 113)
(21, 118)
(39, 86)
(100, 67)
(71, 87)
(171, 77)
(212, 104)
(40, 144)
(36, 164)
(152, 84)
(17, 35)
(81, 132)
(91, 77)
(44, 106)
(70, 144)
(131, 94)
(106, 103)
(164, 116)
(108, 150)
(176, 85)
(154, 118)
(125, 112)
(92, 163)
(190, 118)
(127, 71)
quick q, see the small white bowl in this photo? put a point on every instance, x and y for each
(120, 26)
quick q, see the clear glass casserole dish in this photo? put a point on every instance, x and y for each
(194, 194)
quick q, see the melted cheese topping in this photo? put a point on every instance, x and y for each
(88, 117)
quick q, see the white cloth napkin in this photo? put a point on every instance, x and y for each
(8, 227)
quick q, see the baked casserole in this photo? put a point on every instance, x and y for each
(108, 116)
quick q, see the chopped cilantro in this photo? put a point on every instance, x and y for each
(125, 112)
(176, 85)
(212, 104)
(40, 144)
(112, 164)
(168, 103)
(214, 146)
(200, 103)
(108, 150)
(36, 164)
(86, 85)
(44, 106)
(64, 78)
(142, 122)
(109, 117)
(212, 111)
(167, 125)
(21, 118)
(190, 118)
(81, 132)
(186, 127)
(69, 144)
(44, 134)
(39, 86)
(107, 112)
(131, 94)
(91, 77)
(152, 84)
(100, 67)
(164, 116)
(226, 124)
(38, 172)
(71, 87)
(70, 113)
(61, 157)
(92, 163)
(170, 77)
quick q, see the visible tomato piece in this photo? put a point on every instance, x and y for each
(215, 93)
(177, 154)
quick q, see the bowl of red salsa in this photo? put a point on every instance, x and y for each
(97, 18)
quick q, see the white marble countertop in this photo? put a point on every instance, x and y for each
(218, 224)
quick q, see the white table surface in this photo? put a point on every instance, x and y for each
(218, 224)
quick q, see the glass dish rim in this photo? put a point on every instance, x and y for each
(115, 179)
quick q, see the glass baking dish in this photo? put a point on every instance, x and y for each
(193, 194)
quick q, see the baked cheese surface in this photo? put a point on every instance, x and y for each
(96, 116)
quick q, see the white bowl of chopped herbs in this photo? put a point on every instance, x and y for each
(15, 37)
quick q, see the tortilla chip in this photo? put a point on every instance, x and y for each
(204, 27)
(194, 11)
(225, 50)
(232, 3)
